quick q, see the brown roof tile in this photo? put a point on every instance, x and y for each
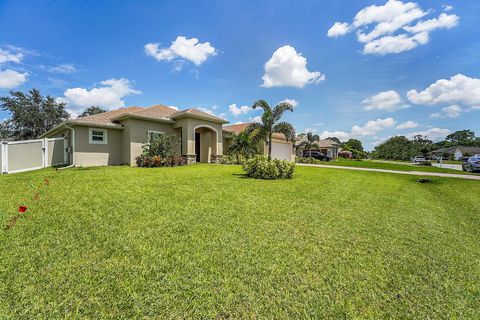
(106, 117)
(198, 113)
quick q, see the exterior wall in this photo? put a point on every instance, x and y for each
(458, 155)
(87, 154)
(264, 147)
(135, 135)
(188, 127)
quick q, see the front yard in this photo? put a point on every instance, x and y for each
(202, 241)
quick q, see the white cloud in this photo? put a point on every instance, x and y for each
(109, 95)
(189, 49)
(390, 28)
(447, 7)
(287, 68)
(407, 125)
(293, 102)
(10, 78)
(255, 119)
(458, 89)
(63, 68)
(434, 134)
(385, 100)
(444, 21)
(371, 127)
(313, 130)
(452, 111)
(342, 135)
(236, 111)
(8, 56)
(338, 29)
(238, 122)
(173, 107)
(73, 113)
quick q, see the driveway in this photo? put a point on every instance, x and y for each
(411, 173)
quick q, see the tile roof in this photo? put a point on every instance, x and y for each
(237, 128)
(157, 112)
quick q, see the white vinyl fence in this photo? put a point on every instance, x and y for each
(19, 156)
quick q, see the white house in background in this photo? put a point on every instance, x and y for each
(326, 146)
(457, 152)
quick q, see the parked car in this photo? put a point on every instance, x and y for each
(472, 164)
(316, 155)
(419, 159)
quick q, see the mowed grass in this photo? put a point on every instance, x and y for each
(400, 166)
(204, 242)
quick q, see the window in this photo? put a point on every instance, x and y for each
(152, 135)
(97, 136)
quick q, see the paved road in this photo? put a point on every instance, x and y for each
(412, 173)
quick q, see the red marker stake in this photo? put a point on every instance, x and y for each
(22, 209)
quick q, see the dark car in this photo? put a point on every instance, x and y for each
(472, 164)
(316, 155)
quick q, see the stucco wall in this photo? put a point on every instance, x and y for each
(135, 135)
(188, 126)
(87, 154)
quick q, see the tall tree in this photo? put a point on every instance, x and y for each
(335, 139)
(31, 114)
(271, 124)
(90, 111)
(462, 137)
(353, 144)
(311, 142)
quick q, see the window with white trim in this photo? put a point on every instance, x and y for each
(152, 135)
(97, 136)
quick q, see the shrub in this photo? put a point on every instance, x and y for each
(157, 161)
(162, 145)
(345, 154)
(309, 160)
(259, 167)
(233, 159)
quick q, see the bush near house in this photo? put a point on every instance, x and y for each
(309, 160)
(260, 167)
(233, 159)
(345, 154)
(160, 153)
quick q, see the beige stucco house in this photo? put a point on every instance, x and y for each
(326, 146)
(117, 137)
(281, 148)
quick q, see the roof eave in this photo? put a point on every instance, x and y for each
(217, 120)
(141, 117)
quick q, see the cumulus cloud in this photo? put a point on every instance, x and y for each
(369, 128)
(393, 27)
(338, 29)
(255, 119)
(182, 48)
(407, 125)
(10, 78)
(385, 100)
(434, 134)
(452, 111)
(236, 111)
(372, 127)
(288, 68)
(9, 56)
(458, 89)
(110, 95)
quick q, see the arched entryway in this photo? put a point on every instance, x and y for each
(206, 138)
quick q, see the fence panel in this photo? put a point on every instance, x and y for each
(25, 155)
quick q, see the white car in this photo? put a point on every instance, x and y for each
(419, 159)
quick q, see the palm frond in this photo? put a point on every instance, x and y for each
(257, 131)
(285, 128)
(262, 104)
(280, 109)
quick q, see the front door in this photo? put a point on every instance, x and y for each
(197, 146)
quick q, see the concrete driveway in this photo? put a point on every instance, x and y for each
(411, 173)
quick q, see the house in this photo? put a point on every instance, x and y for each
(281, 148)
(326, 146)
(457, 153)
(116, 137)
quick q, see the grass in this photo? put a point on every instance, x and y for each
(400, 166)
(204, 242)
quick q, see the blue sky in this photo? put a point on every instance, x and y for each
(362, 69)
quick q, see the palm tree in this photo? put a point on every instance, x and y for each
(243, 144)
(311, 142)
(271, 124)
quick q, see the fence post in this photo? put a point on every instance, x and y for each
(45, 152)
(4, 157)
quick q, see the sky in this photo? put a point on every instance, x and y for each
(352, 69)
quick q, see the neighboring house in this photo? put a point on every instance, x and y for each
(326, 146)
(116, 137)
(281, 148)
(457, 153)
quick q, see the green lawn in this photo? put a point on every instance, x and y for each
(205, 242)
(401, 166)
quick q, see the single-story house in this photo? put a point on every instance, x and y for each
(457, 153)
(116, 137)
(281, 148)
(326, 146)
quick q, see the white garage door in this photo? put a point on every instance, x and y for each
(282, 151)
